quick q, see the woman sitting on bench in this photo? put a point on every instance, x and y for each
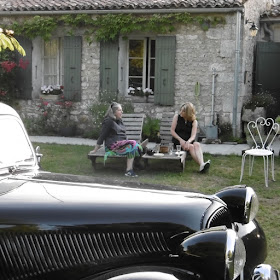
(113, 132)
(183, 130)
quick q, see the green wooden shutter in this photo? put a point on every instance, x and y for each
(165, 70)
(109, 66)
(72, 67)
(24, 76)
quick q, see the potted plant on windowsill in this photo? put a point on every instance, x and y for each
(147, 93)
(52, 89)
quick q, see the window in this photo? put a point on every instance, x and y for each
(53, 62)
(141, 63)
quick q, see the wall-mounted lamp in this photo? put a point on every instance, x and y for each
(253, 29)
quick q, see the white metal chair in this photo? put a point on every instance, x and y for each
(263, 132)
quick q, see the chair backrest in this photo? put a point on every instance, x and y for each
(134, 125)
(263, 132)
(165, 126)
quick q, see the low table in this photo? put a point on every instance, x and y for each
(181, 158)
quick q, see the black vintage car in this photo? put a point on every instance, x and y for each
(55, 226)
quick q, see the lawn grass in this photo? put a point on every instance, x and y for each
(224, 171)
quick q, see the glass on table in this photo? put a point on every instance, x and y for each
(178, 148)
(170, 148)
(157, 148)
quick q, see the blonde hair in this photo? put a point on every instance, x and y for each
(189, 109)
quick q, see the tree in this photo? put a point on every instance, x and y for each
(8, 41)
(9, 65)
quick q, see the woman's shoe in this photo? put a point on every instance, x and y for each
(130, 173)
(204, 167)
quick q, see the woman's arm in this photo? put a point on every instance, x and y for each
(194, 131)
(105, 131)
(172, 130)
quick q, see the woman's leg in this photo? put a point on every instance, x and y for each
(129, 164)
(196, 153)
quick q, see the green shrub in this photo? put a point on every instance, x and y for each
(260, 99)
(99, 109)
(151, 129)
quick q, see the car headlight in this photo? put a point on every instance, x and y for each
(265, 272)
(242, 202)
(218, 251)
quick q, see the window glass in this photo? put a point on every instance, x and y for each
(14, 146)
(52, 62)
(141, 72)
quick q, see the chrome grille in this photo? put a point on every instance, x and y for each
(29, 255)
(219, 218)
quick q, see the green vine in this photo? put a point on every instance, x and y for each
(109, 27)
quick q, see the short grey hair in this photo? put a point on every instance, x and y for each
(114, 106)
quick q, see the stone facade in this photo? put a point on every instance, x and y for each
(198, 54)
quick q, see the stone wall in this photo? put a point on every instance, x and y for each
(198, 53)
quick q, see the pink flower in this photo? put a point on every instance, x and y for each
(8, 66)
(68, 104)
(23, 64)
(45, 113)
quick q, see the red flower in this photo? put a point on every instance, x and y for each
(45, 113)
(68, 104)
(8, 66)
(3, 93)
(23, 64)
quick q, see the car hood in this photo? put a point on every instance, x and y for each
(56, 200)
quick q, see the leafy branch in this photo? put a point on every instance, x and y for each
(109, 27)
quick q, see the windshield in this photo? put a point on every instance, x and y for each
(14, 146)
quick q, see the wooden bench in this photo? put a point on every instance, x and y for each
(134, 124)
(166, 138)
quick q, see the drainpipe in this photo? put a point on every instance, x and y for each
(236, 73)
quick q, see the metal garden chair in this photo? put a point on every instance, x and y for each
(263, 132)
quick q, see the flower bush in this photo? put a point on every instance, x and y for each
(8, 71)
(8, 65)
(54, 115)
(260, 99)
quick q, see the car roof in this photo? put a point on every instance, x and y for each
(7, 110)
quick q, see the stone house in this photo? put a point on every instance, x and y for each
(207, 60)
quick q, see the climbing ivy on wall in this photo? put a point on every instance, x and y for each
(110, 26)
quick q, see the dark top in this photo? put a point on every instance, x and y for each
(183, 129)
(111, 132)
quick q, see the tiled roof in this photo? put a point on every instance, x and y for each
(273, 12)
(61, 5)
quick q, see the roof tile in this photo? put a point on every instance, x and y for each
(273, 12)
(57, 5)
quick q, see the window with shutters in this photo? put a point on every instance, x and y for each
(53, 65)
(141, 63)
(61, 65)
